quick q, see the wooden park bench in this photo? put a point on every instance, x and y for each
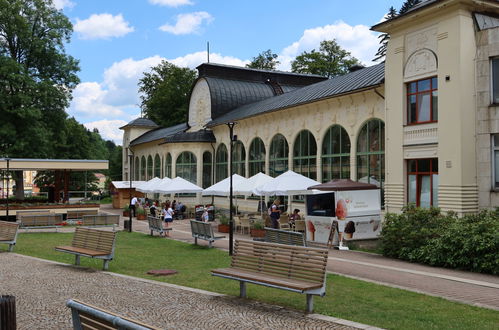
(284, 237)
(78, 215)
(8, 233)
(288, 267)
(44, 220)
(92, 243)
(86, 316)
(204, 231)
(156, 225)
(101, 220)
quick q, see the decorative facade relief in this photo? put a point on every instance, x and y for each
(421, 63)
(426, 39)
(420, 134)
(200, 105)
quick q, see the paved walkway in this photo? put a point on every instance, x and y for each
(466, 287)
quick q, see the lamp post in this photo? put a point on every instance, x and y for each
(231, 222)
(8, 179)
(130, 172)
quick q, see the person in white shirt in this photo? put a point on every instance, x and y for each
(168, 216)
(133, 202)
(206, 216)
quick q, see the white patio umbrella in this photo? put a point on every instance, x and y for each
(288, 183)
(222, 188)
(248, 187)
(148, 185)
(177, 186)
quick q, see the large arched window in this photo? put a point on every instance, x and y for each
(186, 166)
(168, 165)
(149, 167)
(335, 154)
(143, 168)
(256, 161)
(157, 166)
(207, 169)
(371, 154)
(221, 164)
(278, 157)
(239, 160)
(305, 155)
(136, 170)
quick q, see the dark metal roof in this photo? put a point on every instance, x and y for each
(140, 122)
(419, 6)
(199, 136)
(484, 21)
(350, 82)
(158, 134)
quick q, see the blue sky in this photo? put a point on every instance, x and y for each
(117, 40)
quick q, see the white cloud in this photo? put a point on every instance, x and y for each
(89, 100)
(171, 3)
(188, 23)
(108, 129)
(61, 4)
(358, 40)
(194, 59)
(102, 26)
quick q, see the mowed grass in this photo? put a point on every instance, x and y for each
(346, 298)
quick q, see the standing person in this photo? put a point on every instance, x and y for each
(275, 214)
(133, 203)
(168, 216)
(206, 216)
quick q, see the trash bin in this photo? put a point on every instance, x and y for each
(8, 312)
(199, 209)
(211, 212)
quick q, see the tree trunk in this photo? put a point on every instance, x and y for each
(19, 178)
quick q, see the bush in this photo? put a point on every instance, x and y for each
(427, 236)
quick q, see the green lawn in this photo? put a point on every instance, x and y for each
(346, 298)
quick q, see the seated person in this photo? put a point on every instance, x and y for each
(153, 207)
(294, 216)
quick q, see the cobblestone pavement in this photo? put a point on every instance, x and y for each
(42, 288)
(466, 287)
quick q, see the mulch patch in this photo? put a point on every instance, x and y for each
(162, 272)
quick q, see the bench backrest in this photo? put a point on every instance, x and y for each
(8, 230)
(154, 222)
(40, 220)
(300, 225)
(201, 228)
(20, 214)
(80, 214)
(101, 219)
(284, 237)
(86, 316)
(94, 239)
(286, 261)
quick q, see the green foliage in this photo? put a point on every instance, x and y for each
(408, 4)
(223, 218)
(126, 208)
(265, 60)
(258, 225)
(141, 211)
(165, 93)
(331, 60)
(384, 37)
(427, 236)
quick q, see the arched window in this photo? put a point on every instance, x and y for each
(239, 160)
(278, 157)
(207, 168)
(335, 154)
(371, 154)
(143, 168)
(186, 166)
(168, 165)
(149, 167)
(305, 155)
(256, 161)
(136, 170)
(221, 164)
(157, 166)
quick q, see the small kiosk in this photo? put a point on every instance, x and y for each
(342, 209)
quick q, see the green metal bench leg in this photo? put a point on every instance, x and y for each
(195, 240)
(310, 303)
(11, 247)
(106, 264)
(242, 289)
(77, 260)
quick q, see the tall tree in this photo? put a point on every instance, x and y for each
(331, 60)
(384, 37)
(165, 93)
(36, 78)
(408, 4)
(265, 60)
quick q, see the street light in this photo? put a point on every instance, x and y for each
(8, 179)
(130, 172)
(231, 222)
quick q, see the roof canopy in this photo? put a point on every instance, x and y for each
(343, 184)
(28, 164)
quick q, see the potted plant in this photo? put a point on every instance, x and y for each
(223, 226)
(126, 211)
(141, 214)
(257, 230)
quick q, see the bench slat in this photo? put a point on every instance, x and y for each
(82, 251)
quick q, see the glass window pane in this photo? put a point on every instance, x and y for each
(495, 80)
(412, 109)
(424, 197)
(411, 166)
(434, 83)
(496, 162)
(423, 107)
(434, 104)
(496, 141)
(435, 190)
(424, 165)
(411, 189)
(434, 165)
(411, 88)
(423, 85)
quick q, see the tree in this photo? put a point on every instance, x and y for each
(331, 60)
(384, 37)
(408, 4)
(165, 93)
(265, 60)
(36, 79)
